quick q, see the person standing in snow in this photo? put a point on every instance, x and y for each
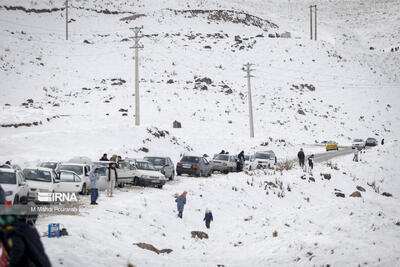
(222, 152)
(301, 157)
(94, 186)
(383, 142)
(180, 203)
(355, 157)
(104, 157)
(112, 178)
(311, 162)
(240, 161)
(208, 217)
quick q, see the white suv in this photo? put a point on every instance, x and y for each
(265, 159)
(14, 185)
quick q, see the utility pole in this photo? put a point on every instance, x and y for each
(315, 21)
(66, 19)
(137, 99)
(248, 76)
(311, 22)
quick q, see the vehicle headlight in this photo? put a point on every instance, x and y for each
(8, 193)
(145, 176)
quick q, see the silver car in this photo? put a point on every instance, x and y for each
(224, 163)
(164, 165)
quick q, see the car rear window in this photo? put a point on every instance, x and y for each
(8, 178)
(156, 161)
(190, 159)
(76, 169)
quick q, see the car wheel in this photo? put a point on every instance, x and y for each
(16, 200)
(84, 190)
(178, 173)
(172, 176)
(225, 172)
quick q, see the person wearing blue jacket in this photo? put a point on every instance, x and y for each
(180, 203)
(94, 186)
(208, 217)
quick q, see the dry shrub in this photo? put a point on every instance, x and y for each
(285, 165)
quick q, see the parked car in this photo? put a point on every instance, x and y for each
(358, 143)
(82, 170)
(371, 142)
(331, 145)
(224, 163)
(47, 180)
(164, 165)
(147, 175)
(250, 162)
(50, 164)
(194, 165)
(14, 185)
(265, 159)
(126, 172)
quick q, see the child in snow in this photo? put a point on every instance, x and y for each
(208, 217)
(310, 162)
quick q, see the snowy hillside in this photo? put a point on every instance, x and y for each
(190, 63)
(63, 98)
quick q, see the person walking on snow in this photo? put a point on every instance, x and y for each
(208, 217)
(180, 203)
(240, 162)
(94, 186)
(355, 157)
(301, 157)
(111, 179)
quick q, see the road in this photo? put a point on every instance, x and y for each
(321, 157)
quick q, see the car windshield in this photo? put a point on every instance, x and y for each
(8, 178)
(50, 165)
(371, 139)
(358, 140)
(331, 142)
(190, 159)
(73, 168)
(221, 157)
(101, 163)
(37, 175)
(263, 156)
(144, 165)
(156, 161)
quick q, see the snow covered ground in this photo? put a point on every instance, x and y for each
(60, 99)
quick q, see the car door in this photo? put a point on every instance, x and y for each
(23, 185)
(205, 166)
(169, 168)
(69, 182)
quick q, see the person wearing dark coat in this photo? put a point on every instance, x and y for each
(240, 162)
(104, 157)
(22, 243)
(311, 162)
(383, 142)
(208, 217)
(222, 152)
(180, 203)
(301, 157)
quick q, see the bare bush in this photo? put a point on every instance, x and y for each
(285, 165)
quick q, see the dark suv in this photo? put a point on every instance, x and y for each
(194, 165)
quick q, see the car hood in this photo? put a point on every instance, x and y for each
(9, 187)
(39, 185)
(263, 160)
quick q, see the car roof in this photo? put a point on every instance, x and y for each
(39, 168)
(7, 170)
(50, 161)
(267, 152)
(195, 156)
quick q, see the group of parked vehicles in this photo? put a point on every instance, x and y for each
(73, 176)
(357, 143)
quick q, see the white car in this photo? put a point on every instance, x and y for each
(265, 159)
(250, 162)
(46, 180)
(358, 143)
(14, 185)
(147, 175)
(82, 170)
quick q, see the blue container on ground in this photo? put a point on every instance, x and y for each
(54, 230)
